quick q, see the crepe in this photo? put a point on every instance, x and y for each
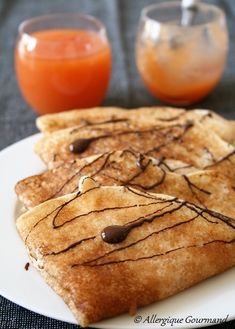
(53, 122)
(154, 115)
(210, 188)
(189, 142)
(159, 245)
(111, 168)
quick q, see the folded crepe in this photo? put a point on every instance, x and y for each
(109, 250)
(97, 115)
(210, 188)
(189, 142)
(110, 168)
(154, 115)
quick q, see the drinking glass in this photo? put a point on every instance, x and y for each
(62, 61)
(181, 64)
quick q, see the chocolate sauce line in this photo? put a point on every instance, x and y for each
(45, 217)
(58, 209)
(195, 208)
(79, 194)
(156, 255)
(81, 144)
(208, 151)
(135, 185)
(71, 246)
(157, 148)
(102, 167)
(134, 154)
(130, 151)
(90, 164)
(225, 219)
(138, 241)
(183, 167)
(151, 214)
(192, 186)
(142, 171)
(92, 124)
(118, 233)
(97, 211)
(173, 139)
(162, 163)
(226, 157)
(156, 184)
(61, 207)
(64, 184)
(115, 179)
(109, 154)
(198, 210)
(79, 171)
(87, 165)
(195, 186)
(88, 123)
(149, 195)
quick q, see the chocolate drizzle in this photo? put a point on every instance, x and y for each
(116, 234)
(86, 123)
(26, 266)
(80, 145)
(194, 187)
(219, 161)
(101, 165)
(115, 262)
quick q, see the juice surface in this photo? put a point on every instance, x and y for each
(64, 69)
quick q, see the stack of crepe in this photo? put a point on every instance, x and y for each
(136, 205)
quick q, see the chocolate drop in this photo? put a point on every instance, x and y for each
(26, 266)
(115, 233)
(80, 145)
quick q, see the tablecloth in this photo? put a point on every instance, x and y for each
(126, 89)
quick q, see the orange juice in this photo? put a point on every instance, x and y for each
(62, 69)
(184, 72)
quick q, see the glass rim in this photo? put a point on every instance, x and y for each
(101, 29)
(146, 10)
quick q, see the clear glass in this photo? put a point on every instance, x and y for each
(181, 64)
(62, 61)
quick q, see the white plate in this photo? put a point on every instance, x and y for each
(213, 298)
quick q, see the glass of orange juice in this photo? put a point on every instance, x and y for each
(181, 64)
(62, 61)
